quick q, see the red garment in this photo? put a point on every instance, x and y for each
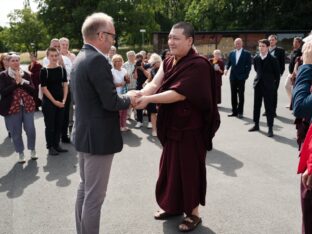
(306, 154)
(27, 100)
(35, 68)
(185, 130)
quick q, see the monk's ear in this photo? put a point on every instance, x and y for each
(190, 41)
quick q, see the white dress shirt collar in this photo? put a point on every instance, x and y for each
(98, 51)
(263, 56)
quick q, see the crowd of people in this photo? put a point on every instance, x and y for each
(178, 91)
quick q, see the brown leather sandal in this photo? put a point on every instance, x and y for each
(191, 222)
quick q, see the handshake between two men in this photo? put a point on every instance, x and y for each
(138, 100)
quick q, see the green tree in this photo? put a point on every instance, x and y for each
(26, 31)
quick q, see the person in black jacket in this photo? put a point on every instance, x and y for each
(268, 74)
(279, 54)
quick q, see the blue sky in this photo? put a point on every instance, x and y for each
(7, 6)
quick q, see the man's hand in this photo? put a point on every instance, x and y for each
(307, 180)
(133, 94)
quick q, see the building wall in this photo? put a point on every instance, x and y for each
(206, 42)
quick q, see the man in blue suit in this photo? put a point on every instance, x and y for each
(240, 61)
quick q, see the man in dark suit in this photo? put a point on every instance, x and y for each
(279, 54)
(97, 132)
(240, 61)
(268, 73)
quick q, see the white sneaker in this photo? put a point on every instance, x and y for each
(33, 155)
(149, 125)
(154, 133)
(138, 125)
(21, 158)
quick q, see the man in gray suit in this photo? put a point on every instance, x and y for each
(97, 132)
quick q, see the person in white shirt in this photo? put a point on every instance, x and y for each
(69, 109)
(130, 67)
(121, 79)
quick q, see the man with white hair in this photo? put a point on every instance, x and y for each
(63, 60)
(97, 131)
(130, 66)
(240, 63)
(68, 111)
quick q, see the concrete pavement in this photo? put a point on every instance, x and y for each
(252, 181)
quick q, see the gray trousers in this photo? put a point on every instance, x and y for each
(15, 123)
(94, 175)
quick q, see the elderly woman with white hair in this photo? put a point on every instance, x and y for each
(154, 61)
(218, 66)
(17, 105)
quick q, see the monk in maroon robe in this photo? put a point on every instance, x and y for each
(186, 123)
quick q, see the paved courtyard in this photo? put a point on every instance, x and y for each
(252, 181)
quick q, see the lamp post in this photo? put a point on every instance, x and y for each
(142, 31)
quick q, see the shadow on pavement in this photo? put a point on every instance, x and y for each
(19, 178)
(61, 166)
(171, 227)
(225, 109)
(285, 120)
(223, 162)
(131, 139)
(282, 139)
(6, 147)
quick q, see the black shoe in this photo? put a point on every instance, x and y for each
(275, 115)
(9, 135)
(264, 114)
(61, 150)
(52, 151)
(240, 116)
(66, 140)
(254, 128)
(270, 132)
(232, 115)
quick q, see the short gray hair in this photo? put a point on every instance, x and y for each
(95, 23)
(154, 59)
(130, 52)
(64, 39)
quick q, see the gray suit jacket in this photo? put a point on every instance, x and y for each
(97, 129)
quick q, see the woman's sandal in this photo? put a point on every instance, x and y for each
(191, 222)
(162, 215)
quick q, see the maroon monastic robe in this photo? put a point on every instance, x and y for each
(186, 129)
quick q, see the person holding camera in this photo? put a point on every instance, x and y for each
(141, 74)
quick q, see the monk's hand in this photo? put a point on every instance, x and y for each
(141, 102)
(307, 180)
(307, 53)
